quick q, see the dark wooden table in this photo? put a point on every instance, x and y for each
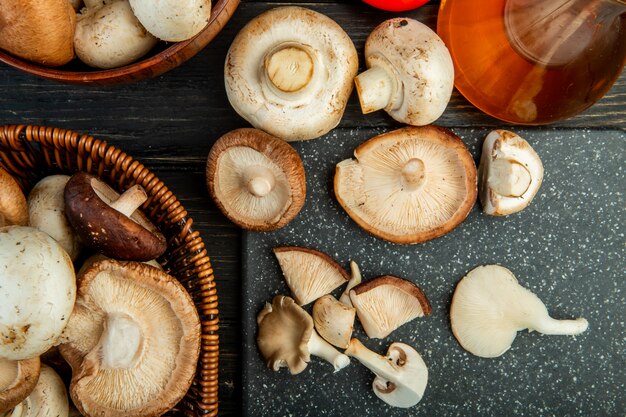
(169, 123)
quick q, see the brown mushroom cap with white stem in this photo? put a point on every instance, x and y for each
(255, 179)
(109, 222)
(489, 307)
(133, 341)
(13, 206)
(410, 73)
(17, 380)
(409, 185)
(289, 72)
(510, 173)
(48, 398)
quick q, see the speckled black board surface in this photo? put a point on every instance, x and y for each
(567, 247)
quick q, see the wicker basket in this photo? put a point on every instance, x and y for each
(31, 152)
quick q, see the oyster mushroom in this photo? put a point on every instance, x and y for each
(17, 381)
(385, 303)
(111, 223)
(37, 289)
(172, 20)
(48, 398)
(410, 73)
(510, 173)
(489, 307)
(256, 180)
(409, 185)
(333, 320)
(13, 206)
(401, 376)
(46, 212)
(289, 72)
(309, 273)
(133, 341)
(287, 338)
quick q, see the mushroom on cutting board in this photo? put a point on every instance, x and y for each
(255, 179)
(409, 185)
(309, 273)
(13, 206)
(401, 375)
(48, 398)
(286, 338)
(133, 341)
(410, 73)
(289, 72)
(333, 320)
(38, 31)
(172, 20)
(109, 222)
(509, 175)
(108, 35)
(46, 212)
(355, 279)
(489, 307)
(385, 303)
(17, 381)
(37, 289)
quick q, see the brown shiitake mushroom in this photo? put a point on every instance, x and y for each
(17, 380)
(13, 206)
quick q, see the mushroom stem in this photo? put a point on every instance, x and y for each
(289, 69)
(259, 180)
(130, 200)
(319, 347)
(560, 327)
(374, 88)
(354, 281)
(80, 326)
(413, 174)
(509, 178)
(376, 363)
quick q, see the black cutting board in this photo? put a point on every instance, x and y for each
(567, 247)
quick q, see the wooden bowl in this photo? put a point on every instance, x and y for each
(163, 58)
(30, 153)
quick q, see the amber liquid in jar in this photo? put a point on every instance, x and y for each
(514, 64)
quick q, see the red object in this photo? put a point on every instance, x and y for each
(396, 5)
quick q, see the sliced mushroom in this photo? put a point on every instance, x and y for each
(489, 307)
(409, 185)
(133, 341)
(13, 207)
(111, 223)
(46, 212)
(17, 381)
(289, 72)
(38, 31)
(256, 180)
(173, 20)
(287, 338)
(309, 273)
(109, 35)
(355, 280)
(401, 376)
(37, 289)
(510, 173)
(410, 73)
(385, 303)
(333, 320)
(48, 398)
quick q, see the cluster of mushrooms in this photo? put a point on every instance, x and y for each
(101, 33)
(129, 331)
(289, 72)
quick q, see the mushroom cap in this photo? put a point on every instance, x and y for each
(510, 173)
(88, 208)
(289, 72)
(109, 35)
(133, 341)
(284, 333)
(409, 185)
(46, 212)
(13, 205)
(17, 380)
(309, 273)
(37, 289)
(420, 67)
(38, 31)
(173, 20)
(48, 398)
(385, 303)
(256, 180)
(333, 320)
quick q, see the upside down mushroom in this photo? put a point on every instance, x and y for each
(48, 398)
(17, 381)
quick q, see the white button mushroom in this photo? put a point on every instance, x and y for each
(289, 72)
(410, 73)
(489, 307)
(173, 20)
(510, 173)
(48, 398)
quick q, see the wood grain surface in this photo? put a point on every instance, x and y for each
(170, 122)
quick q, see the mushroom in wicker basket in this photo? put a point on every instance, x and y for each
(13, 206)
(17, 381)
